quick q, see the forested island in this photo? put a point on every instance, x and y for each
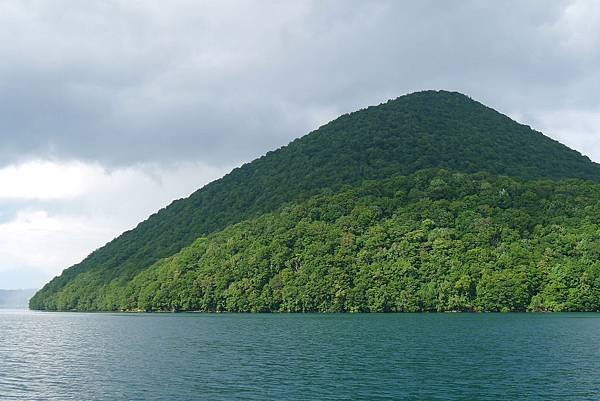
(429, 202)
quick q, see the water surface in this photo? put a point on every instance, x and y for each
(82, 356)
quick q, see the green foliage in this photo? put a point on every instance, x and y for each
(432, 241)
(414, 132)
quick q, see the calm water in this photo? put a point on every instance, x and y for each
(50, 356)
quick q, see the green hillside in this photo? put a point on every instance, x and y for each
(414, 132)
(432, 241)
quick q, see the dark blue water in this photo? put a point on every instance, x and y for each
(50, 356)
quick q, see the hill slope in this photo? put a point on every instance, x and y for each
(414, 132)
(432, 241)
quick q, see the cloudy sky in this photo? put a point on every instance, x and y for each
(109, 110)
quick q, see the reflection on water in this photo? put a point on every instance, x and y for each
(70, 356)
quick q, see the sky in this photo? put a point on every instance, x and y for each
(109, 110)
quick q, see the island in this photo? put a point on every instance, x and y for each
(428, 202)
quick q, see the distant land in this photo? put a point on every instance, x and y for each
(428, 202)
(15, 299)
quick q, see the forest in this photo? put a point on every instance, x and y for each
(432, 241)
(360, 228)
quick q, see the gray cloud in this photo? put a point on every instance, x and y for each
(123, 82)
(129, 105)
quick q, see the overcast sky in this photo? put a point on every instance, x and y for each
(111, 109)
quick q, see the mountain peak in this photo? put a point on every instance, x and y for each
(422, 130)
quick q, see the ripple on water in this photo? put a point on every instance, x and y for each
(68, 356)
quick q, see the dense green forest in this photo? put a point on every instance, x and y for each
(432, 241)
(432, 129)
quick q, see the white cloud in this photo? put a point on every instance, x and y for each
(578, 129)
(36, 240)
(47, 180)
(579, 28)
(79, 207)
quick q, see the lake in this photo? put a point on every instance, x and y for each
(83, 356)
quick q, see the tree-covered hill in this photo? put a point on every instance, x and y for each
(423, 130)
(432, 241)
